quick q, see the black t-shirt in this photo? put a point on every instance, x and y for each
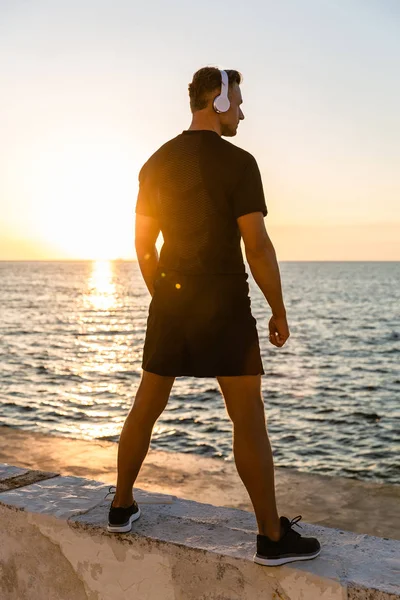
(197, 185)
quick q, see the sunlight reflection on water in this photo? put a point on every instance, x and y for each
(102, 290)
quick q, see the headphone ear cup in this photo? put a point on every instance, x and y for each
(221, 104)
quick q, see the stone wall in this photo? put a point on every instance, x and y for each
(54, 545)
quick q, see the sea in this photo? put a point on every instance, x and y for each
(71, 340)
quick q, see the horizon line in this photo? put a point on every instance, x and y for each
(136, 260)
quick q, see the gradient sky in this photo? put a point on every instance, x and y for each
(91, 88)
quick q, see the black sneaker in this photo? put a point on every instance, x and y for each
(289, 548)
(120, 519)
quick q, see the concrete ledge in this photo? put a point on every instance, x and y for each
(54, 544)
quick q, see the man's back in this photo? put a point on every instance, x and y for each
(197, 185)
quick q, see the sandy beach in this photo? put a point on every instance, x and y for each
(344, 503)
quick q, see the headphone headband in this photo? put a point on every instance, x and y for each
(221, 103)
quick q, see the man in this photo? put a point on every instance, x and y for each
(205, 194)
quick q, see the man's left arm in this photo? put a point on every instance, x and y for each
(147, 230)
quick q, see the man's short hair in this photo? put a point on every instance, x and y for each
(205, 81)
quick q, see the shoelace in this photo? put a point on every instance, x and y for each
(110, 491)
(294, 521)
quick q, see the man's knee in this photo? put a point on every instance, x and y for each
(152, 396)
(146, 412)
(243, 399)
(251, 419)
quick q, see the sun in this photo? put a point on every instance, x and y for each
(85, 193)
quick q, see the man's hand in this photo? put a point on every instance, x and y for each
(278, 331)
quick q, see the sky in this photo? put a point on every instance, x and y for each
(91, 88)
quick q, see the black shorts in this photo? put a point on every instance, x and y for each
(201, 326)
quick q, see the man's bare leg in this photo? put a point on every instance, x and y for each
(251, 448)
(150, 401)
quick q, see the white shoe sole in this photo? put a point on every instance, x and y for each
(276, 562)
(124, 528)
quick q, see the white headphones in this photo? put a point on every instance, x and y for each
(221, 103)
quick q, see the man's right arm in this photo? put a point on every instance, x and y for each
(261, 257)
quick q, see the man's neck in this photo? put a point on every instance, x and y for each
(205, 123)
